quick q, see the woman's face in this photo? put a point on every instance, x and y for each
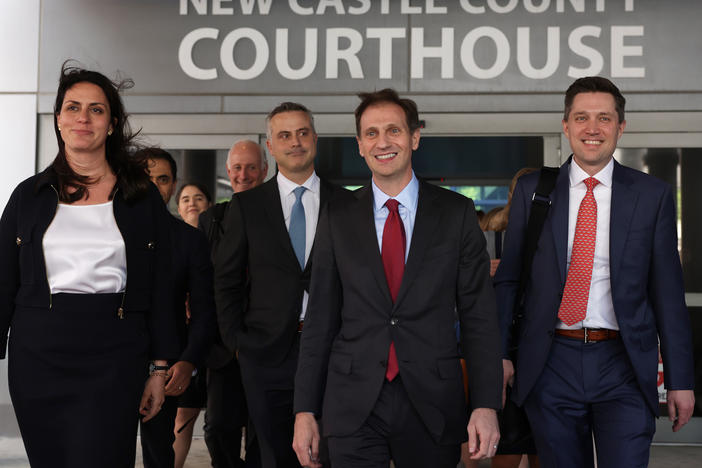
(191, 203)
(84, 119)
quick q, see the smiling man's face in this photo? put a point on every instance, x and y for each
(386, 143)
(593, 129)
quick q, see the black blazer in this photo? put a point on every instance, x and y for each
(192, 279)
(144, 225)
(210, 222)
(351, 318)
(258, 280)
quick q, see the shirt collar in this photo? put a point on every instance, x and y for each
(287, 186)
(407, 197)
(578, 175)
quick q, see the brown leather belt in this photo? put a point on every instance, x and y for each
(587, 335)
(299, 326)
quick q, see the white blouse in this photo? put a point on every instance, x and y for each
(84, 250)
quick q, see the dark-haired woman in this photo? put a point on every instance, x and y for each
(84, 287)
(192, 199)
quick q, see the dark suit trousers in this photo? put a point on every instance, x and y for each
(269, 395)
(394, 431)
(157, 436)
(588, 388)
(225, 415)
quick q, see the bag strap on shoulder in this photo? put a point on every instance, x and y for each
(540, 204)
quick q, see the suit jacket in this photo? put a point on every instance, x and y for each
(210, 222)
(192, 279)
(258, 281)
(351, 319)
(645, 276)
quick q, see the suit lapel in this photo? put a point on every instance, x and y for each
(274, 213)
(425, 223)
(559, 218)
(363, 219)
(622, 209)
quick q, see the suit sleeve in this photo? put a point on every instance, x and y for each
(163, 331)
(510, 268)
(322, 322)
(201, 329)
(667, 295)
(480, 335)
(231, 260)
(9, 268)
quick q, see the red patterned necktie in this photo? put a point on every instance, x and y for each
(577, 288)
(393, 254)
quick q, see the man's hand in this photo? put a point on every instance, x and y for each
(483, 433)
(179, 374)
(681, 404)
(507, 378)
(306, 440)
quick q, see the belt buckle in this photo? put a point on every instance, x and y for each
(585, 340)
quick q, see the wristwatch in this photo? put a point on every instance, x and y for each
(153, 368)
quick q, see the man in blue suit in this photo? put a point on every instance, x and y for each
(604, 289)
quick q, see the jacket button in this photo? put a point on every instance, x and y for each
(393, 321)
(19, 240)
(550, 333)
(151, 245)
(383, 364)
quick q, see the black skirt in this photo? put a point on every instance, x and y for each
(76, 376)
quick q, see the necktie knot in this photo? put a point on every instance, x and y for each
(392, 205)
(298, 192)
(590, 183)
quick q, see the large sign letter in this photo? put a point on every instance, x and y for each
(185, 54)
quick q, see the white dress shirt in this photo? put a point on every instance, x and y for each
(600, 309)
(84, 250)
(310, 202)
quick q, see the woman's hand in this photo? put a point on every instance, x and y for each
(154, 395)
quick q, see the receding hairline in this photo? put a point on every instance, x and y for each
(247, 143)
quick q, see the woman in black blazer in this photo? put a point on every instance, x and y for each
(84, 287)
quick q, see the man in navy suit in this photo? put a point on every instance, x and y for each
(605, 287)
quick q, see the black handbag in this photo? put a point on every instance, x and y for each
(515, 431)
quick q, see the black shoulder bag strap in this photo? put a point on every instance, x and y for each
(540, 204)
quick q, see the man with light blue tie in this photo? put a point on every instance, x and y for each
(262, 274)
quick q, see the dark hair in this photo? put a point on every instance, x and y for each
(154, 152)
(132, 179)
(594, 84)
(288, 107)
(391, 96)
(199, 186)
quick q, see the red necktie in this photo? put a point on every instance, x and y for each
(393, 254)
(577, 288)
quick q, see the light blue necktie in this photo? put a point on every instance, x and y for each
(297, 226)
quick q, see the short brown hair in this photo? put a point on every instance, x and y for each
(391, 96)
(594, 84)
